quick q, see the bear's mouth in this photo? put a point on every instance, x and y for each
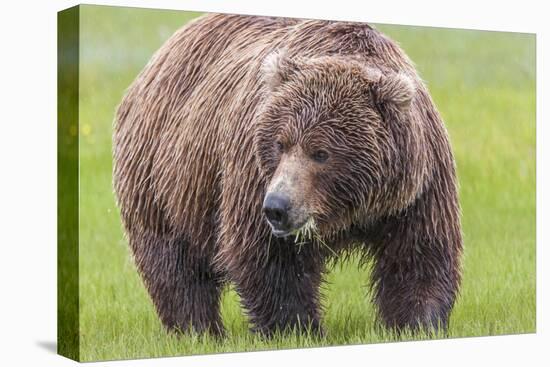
(294, 231)
(281, 233)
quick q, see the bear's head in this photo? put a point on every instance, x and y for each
(336, 142)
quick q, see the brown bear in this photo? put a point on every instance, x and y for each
(253, 150)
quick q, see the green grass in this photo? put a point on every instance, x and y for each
(483, 84)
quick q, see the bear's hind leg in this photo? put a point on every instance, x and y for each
(183, 286)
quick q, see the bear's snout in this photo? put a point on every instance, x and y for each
(276, 208)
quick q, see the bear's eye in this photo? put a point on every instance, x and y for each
(320, 155)
(280, 146)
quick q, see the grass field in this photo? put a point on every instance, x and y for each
(484, 86)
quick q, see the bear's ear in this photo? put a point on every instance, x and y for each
(393, 91)
(277, 68)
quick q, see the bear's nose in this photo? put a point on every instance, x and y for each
(276, 207)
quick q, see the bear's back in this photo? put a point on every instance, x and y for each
(209, 69)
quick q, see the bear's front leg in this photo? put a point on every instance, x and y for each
(415, 284)
(281, 290)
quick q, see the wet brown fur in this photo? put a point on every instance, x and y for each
(195, 152)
